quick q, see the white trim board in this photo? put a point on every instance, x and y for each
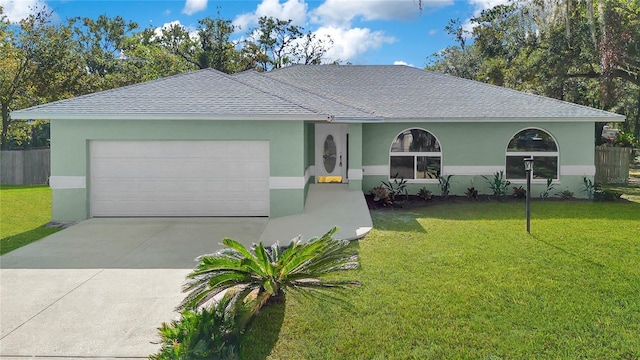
(354, 174)
(67, 182)
(383, 170)
(287, 182)
(582, 170)
(375, 170)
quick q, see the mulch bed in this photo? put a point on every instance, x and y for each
(416, 202)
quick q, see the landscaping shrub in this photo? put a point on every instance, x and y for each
(545, 194)
(519, 192)
(396, 188)
(445, 185)
(499, 184)
(589, 187)
(471, 193)
(381, 194)
(201, 334)
(424, 194)
(210, 328)
(273, 271)
(565, 195)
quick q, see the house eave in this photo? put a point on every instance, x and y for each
(357, 120)
(619, 118)
(31, 115)
(44, 115)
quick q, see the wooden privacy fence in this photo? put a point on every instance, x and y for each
(612, 165)
(25, 167)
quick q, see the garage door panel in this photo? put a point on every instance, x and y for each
(179, 178)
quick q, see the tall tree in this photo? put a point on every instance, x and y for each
(210, 47)
(585, 52)
(37, 64)
(276, 39)
(146, 59)
(278, 43)
(102, 44)
(458, 60)
(311, 49)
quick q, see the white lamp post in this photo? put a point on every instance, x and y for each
(528, 168)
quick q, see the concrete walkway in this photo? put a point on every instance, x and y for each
(101, 288)
(327, 205)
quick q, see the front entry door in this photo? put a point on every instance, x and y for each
(331, 153)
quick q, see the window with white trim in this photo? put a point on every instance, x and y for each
(535, 143)
(415, 155)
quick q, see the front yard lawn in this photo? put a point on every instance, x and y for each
(465, 281)
(24, 212)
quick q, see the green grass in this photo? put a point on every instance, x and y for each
(465, 281)
(24, 212)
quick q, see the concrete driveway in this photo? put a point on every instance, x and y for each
(100, 289)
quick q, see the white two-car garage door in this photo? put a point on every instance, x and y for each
(179, 178)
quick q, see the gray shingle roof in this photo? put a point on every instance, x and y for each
(310, 99)
(204, 94)
(402, 92)
(312, 92)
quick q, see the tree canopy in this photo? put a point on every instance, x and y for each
(586, 52)
(43, 61)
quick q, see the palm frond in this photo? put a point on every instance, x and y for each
(263, 258)
(216, 263)
(249, 259)
(199, 297)
(249, 279)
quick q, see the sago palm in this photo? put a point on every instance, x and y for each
(253, 277)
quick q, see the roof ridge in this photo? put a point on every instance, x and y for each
(274, 95)
(457, 78)
(323, 96)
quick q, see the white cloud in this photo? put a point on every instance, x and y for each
(481, 5)
(16, 10)
(294, 10)
(343, 12)
(351, 43)
(485, 4)
(193, 6)
(193, 32)
(166, 26)
(348, 42)
(400, 62)
(245, 21)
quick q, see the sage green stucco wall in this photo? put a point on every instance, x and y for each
(482, 144)
(355, 156)
(70, 139)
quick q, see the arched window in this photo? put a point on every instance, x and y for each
(415, 154)
(535, 143)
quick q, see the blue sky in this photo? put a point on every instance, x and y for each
(364, 31)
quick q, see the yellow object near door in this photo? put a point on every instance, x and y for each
(329, 179)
